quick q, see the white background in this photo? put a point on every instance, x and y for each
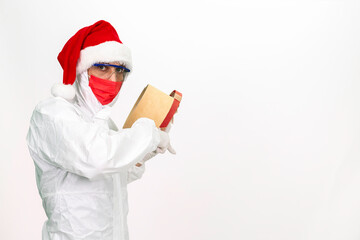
(267, 135)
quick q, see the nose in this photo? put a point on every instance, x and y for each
(113, 76)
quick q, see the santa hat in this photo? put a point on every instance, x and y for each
(96, 43)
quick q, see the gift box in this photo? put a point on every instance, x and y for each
(156, 105)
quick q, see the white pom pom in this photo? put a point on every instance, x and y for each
(64, 91)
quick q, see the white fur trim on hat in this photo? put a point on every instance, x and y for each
(110, 51)
(64, 91)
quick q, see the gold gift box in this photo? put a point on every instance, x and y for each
(156, 105)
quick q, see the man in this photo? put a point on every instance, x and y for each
(83, 162)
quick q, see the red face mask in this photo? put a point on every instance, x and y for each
(104, 90)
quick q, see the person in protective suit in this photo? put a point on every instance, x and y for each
(83, 162)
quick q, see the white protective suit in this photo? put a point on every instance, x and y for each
(83, 165)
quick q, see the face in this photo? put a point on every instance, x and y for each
(108, 72)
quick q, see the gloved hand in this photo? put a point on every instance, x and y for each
(165, 142)
(146, 158)
(149, 156)
(163, 145)
(168, 127)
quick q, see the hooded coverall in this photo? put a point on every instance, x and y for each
(83, 165)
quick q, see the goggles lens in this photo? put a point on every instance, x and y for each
(105, 71)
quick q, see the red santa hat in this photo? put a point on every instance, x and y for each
(96, 43)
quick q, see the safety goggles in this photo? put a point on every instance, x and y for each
(106, 70)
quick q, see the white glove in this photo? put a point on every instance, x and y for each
(149, 155)
(168, 127)
(146, 158)
(165, 143)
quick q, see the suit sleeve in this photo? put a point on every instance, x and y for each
(135, 172)
(59, 136)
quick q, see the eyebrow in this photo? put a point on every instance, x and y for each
(115, 63)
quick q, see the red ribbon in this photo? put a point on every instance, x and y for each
(173, 108)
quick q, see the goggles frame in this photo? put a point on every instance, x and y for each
(111, 65)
